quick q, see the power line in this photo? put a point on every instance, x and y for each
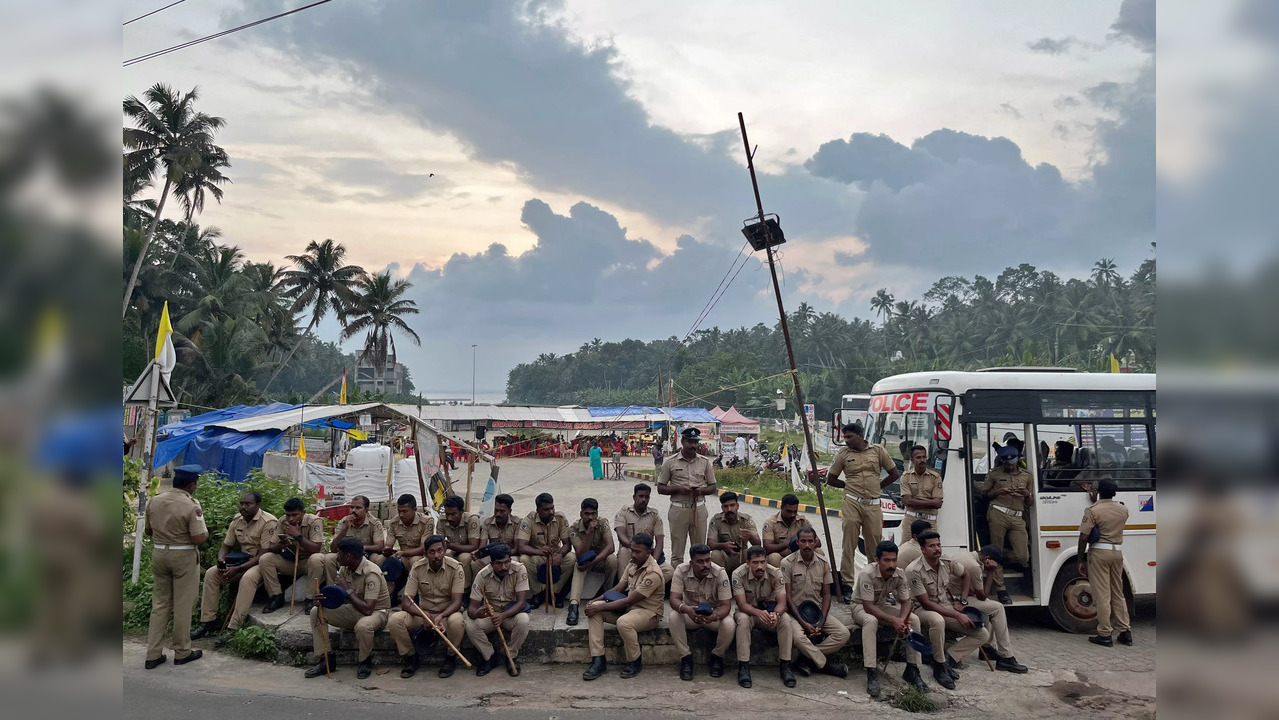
(711, 300)
(166, 7)
(175, 48)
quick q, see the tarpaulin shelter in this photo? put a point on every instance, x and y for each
(733, 422)
(200, 440)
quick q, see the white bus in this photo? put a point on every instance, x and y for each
(1076, 427)
(852, 408)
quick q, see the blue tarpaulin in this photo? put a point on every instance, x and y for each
(231, 453)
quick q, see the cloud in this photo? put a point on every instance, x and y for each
(1008, 108)
(1050, 46)
(1136, 24)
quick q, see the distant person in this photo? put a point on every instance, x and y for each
(597, 463)
(658, 456)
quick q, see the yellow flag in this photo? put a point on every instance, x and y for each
(302, 446)
(342, 397)
(1114, 361)
(166, 329)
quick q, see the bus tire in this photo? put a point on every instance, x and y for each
(1071, 604)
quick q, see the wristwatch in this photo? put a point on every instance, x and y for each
(963, 601)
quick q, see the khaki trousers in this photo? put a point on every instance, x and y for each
(908, 520)
(866, 521)
(325, 567)
(785, 631)
(347, 618)
(1003, 525)
(624, 559)
(686, 522)
(870, 637)
(176, 574)
(516, 629)
(401, 626)
(679, 624)
(579, 579)
(728, 561)
(1106, 576)
(629, 625)
(836, 637)
(997, 623)
(537, 588)
(934, 626)
(249, 583)
(937, 625)
(273, 566)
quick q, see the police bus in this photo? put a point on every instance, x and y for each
(852, 408)
(1075, 428)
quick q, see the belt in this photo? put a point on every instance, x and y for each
(1006, 511)
(695, 503)
(1107, 546)
(922, 516)
(173, 547)
(862, 500)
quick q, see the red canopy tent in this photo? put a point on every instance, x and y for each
(735, 423)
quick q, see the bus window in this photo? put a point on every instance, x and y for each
(1083, 453)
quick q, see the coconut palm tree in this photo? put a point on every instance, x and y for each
(206, 178)
(882, 304)
(379, 310)
(168, 134)
(1105, 274)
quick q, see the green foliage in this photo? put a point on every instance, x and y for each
(912, 699)
(255, 643)
(137, 596)
(132, 474)
(221, 503)
(769, 484)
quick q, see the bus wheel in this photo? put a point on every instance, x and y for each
(1071, 604)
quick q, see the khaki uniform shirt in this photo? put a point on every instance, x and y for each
(776, 530)
(461, 534)
(720, 530)
(921, 487)
(539, 534)
(1108, 515)
(434, 590)
(251, 535)
(647, 579)
(695, 473)
(372, 532)
(861, 469)
(886, 594)
(174, 517)
(411, 536)
(367, 580)
(970, 560)
(312, 529)
(999, 478)
(806, 579)
(757, 592)
(650, 522)
(936, 584)
(500, 592)
(490, 532)
(596, 540)
(713, 589)
(908, 552)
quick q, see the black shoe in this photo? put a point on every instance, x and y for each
(192, 657)
(1125, 637)
(275, 603)
(1004, 597)
(598, 667)
(872, 682)
(744, 674)
(952, 665)
(1010, 664)
(717, 666)
(848, 595)
(487, 666)
(989, 651)
(803, 666)
(839, 670)
(409, 667)
(365, 669)
(308, 608)
(685, 667)
(633, 668)
(942, 676)
(224, 638)
(572, 615)
(559, 601)
(788, 674)
(1102, 641)
(449, 667)
(206, 628)
(513, 668)
(535, 602)
(153, 664)
(912, 676)
(320, 668)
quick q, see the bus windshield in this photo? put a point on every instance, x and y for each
(899, 430)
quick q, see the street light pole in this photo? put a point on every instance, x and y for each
(473, 374)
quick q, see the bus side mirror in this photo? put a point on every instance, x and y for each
(942, 416)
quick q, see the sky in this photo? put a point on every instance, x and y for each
(589, 175)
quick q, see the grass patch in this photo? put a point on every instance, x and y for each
(913, 699)
(256, 643)
(769, 485)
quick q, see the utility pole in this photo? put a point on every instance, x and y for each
(790, 352)
(473, 346)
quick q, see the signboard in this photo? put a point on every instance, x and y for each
(810, 411)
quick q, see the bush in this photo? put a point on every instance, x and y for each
(255, 643)
(913, 699)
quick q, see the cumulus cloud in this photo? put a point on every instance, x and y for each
(1052, 46)
(1136, 24)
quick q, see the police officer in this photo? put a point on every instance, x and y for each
(980, 567)
(590, 534)
(687, 478)
(436, 584)
(251, 531)
(175, 523)
(930, 584)
(367, 603)
(542, 540)
(701, 598)
(360, 524)
(921, 492)
(405, 533)
(909, 551)
(1010, 490)
(808, 579)
(638, 518)
(729, 533)
(781, 528)
(760, 594)
(498, 529)
(299, 537)
(461, 534)
(639, 610)
(1101, 560)
(505, 584)
(883, 597)
(861, 463)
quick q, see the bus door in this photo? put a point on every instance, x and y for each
(981, 440)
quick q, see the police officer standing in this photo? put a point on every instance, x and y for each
(1101, 560)
(175, 523)
(1010, 490)
(687, 478)
(860, 462)
(921, 492)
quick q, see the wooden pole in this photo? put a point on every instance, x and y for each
(510, 661)
(417, 460)
(430, 623)
(470, 472)
(297, 555)
(325, 626)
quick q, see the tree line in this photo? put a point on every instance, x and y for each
(1024, 316)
